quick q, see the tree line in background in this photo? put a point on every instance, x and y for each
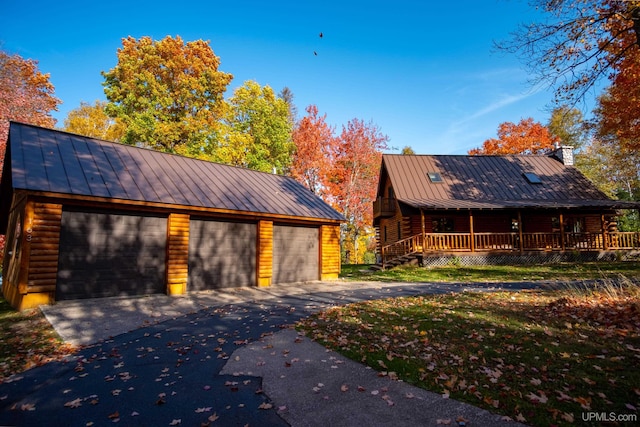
(169, 95)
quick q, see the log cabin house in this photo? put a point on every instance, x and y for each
(86, 218)
(493, 209)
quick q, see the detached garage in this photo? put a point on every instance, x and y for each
(295, 253)
(222, 254)
(85, 218)
(110, 253)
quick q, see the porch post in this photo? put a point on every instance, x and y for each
(472, 243)
(520, 231)
(603, 224)
(424, 237)
(562, 235)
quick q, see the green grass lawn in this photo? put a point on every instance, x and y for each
(540, 357)
(494, 273)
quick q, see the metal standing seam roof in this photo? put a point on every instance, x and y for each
(47, 160)
(492, 182)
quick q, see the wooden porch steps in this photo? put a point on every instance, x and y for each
(413, 258)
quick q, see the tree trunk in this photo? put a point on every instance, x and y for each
(635, 17)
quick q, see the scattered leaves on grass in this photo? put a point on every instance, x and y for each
(27, 340)
(541, 357)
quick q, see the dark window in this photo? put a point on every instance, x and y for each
(390, 193)
(385, 233)
(399, 231)
(442, 225)
(434, 176)
(532, 178)
(574, 225)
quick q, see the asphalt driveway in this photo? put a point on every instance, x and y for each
(225, 358)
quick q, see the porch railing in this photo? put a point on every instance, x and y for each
(402, 247)
(531, 241)
(487, 242)
(384, 206)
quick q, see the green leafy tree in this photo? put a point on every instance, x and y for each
(616, 173)
(258, 134)
(288, 96)
(407, 151)
(168, 93)
(92, 120)
(568, 126)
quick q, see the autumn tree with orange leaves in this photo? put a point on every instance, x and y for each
(353, 178)
(525, 137)
(26, 95)
(618, 108)
(342, 169)
(312, 160)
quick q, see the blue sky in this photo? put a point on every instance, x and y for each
(424, 72)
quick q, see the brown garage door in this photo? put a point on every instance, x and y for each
(221, 255)
(104, 254)
(295, 254)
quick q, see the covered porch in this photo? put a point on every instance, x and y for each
(510, 233)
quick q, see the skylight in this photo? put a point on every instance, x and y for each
(532, 178)
(434, 176)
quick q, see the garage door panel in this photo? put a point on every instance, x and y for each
(295, 254)
(110, 254)
(221, 255)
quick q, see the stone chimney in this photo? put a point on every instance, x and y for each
(563, 153)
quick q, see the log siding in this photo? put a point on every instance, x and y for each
(177, 253)
(329, 252)
(265, 253)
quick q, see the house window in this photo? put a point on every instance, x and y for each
(434, 176)
(399, 231)
(442, 225)
(574, 225)
(385, 233)
(571, 225)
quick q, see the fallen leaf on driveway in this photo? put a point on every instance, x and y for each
(75, 403)
(28, 407)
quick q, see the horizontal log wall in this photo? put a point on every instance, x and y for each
(177, 254)
(329, 252)
(265, 253)
(13, 252)
(42, 233)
